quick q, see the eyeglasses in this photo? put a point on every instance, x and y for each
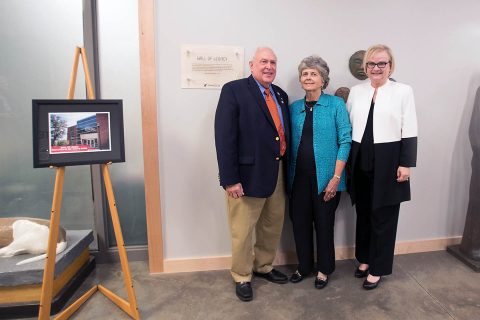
(381, 64)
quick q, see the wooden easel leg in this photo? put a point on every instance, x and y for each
(73, 75)
(88, 81)
(48, 273)
(121, 249)
(65, 314)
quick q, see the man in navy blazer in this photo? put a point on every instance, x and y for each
(251, 137)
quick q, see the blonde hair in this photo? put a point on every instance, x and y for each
(377, 48)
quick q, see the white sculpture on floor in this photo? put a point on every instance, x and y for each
(27, 235)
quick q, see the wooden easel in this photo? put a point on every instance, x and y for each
(130, 306)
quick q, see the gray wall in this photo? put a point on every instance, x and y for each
(437, 46)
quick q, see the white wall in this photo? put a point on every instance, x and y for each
(437, 47)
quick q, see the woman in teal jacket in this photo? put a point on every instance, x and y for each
(320, 145)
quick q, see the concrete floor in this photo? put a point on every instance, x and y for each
(432, 285)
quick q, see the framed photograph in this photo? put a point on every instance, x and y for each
(77, 132)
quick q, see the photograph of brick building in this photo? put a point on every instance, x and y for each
(85, 132)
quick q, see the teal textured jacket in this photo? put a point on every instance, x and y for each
(332, 138)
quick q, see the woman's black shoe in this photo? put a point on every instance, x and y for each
(367, 285)
(320, 283)
(361, 273)
(296, 277)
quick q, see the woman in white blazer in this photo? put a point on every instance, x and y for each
(384, 147)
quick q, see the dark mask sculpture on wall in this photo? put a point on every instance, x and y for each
(343, 93)
(355, 64)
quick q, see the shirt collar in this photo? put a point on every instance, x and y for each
(262, 88)
(322, 101)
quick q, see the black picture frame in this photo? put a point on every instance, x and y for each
(77, 132)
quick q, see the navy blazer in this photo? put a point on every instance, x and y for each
(246, 139)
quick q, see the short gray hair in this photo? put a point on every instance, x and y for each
(262, 49)
(315, 62)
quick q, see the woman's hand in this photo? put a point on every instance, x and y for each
(331, 189)
(403, 174)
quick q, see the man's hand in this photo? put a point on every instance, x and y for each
(235, 190)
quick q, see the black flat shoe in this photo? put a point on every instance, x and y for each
(361, 273)
(296, 277)
(244, 291)
(274, 276)
(320, 283)
(367, 285)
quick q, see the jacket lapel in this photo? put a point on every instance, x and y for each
(283, 107)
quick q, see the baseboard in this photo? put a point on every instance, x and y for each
(289, 257)
(426, 245)
(134, 253)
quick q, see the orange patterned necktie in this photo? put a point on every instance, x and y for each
(272, 107)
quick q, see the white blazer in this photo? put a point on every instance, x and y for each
(394, 117)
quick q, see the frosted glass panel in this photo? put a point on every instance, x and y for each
(38, 39)
(120, 79)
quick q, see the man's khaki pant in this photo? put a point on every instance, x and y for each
(265, 217)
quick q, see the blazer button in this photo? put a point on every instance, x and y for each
(277, 138)
(277, 158)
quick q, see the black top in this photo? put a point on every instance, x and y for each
(305, 155)
(366, 155)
